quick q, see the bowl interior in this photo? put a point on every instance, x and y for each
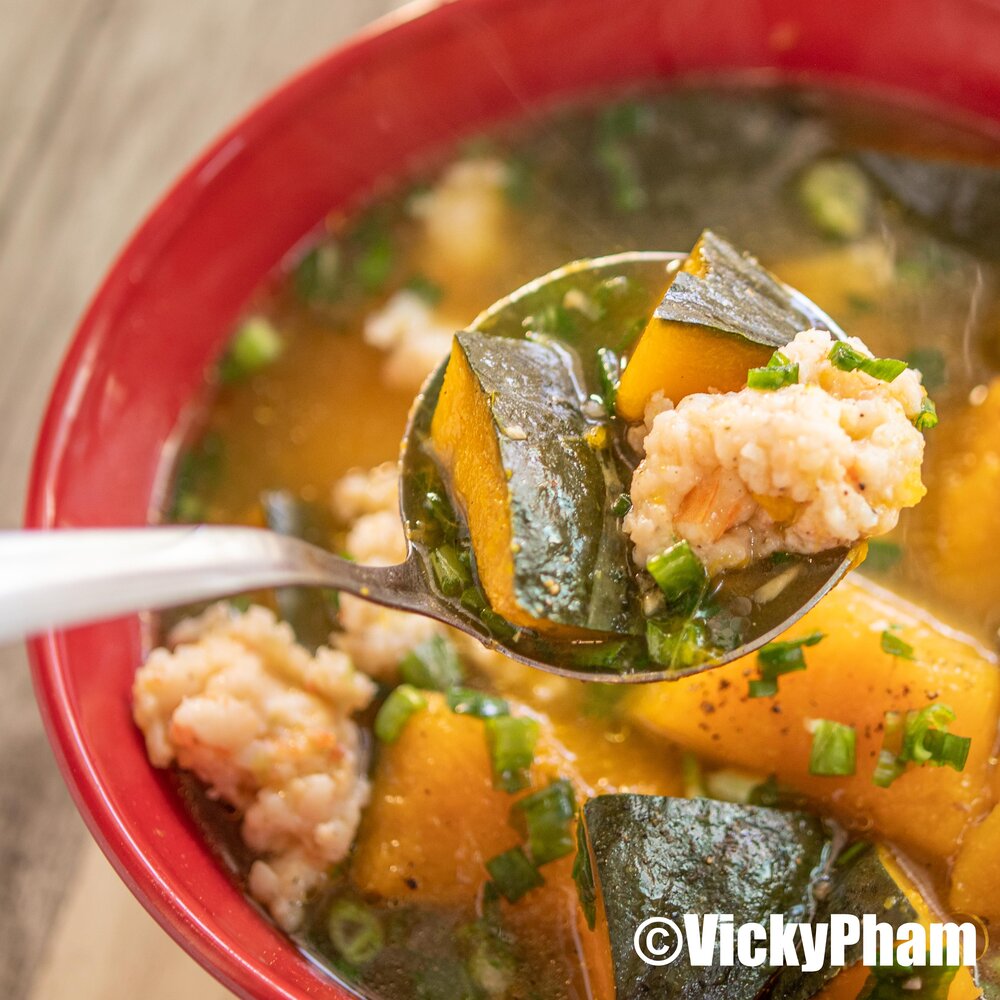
(362, 115)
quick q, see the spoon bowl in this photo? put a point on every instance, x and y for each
(66, 577)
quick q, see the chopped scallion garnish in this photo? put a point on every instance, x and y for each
(894, 646)
(622, 505)
(882, 555)
(513, 874)
(921, 737)
(677, 571)
(609, 374)
(498, 626)
(256, 345)
(511, 740)
(847, 359)
(677, 643)
(467, 701)
(449, 571)
(433, 665)
(927, 417)
(834, 749)
(778, 372)
(354, 931)
(403, 701)
(545, 819)
(777, 658)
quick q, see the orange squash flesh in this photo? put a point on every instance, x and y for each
(849, 680)
(463, 438)
(975, 879)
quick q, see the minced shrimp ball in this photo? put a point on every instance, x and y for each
(811, 466)
(267, 727)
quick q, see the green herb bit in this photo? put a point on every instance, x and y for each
(834, 749)
(473, 600)
(199, 470)
(920, 738)
(837, 197)
(511, 740)
(777, 658)
(450, 574)
(498, 626)
(677, 643)
(545, 818)
(583, 875)
(677, 571)
(403, 701)
(774, 796)
(442, 513)
(317, 277)
(605, 655)
(882, 555)
(468, 701)
(927, 417)
(423, 287)
(601, 701)
(376, 258)
(355, 931)
(513, 874)
(255, 346)
(609, 375)
(773, 377)
(847, 359)
(919, 983)
(622, 505)
(931, 364)
(489, 960)
(553, 319)
(894, 646)
(433, 665)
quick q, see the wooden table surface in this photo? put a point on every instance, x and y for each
(102, 103)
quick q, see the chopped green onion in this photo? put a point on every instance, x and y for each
(774, 796)
(583, 875)
(777, 658)
(498, 626)
(609, 374)
(513, 874)
(894, 646)
(927, 417)
(433, 665)
(622, 505)
(600, 701)
(847, 359)
(450, 574)
(442, 513)
(490, 962)
(376, 257)
(317, 276)
(837, 197)
(891, 982)
(430, 291)
(882, 555)
(850, 853)
(396, 710)
(616, 158)
(778, 372)
(511, 740)
(920, 738)
(763, 687)
(199, 470)
(256, 345)
(553, 319)
(834, 749)
(677, 571)
(545, 818)
(467, 701)
(678, 643)
(472, 599)
(606, 655)
(931, 364)
(354, 931)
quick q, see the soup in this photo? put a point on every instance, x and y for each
(459, 879)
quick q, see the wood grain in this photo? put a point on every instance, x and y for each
(102, 102)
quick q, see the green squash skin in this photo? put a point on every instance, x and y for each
(735, 286)
(570, 559)
(666, 857)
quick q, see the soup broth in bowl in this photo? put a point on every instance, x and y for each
(408, 809)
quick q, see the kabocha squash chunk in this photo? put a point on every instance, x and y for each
(721, 315)
(511, 436)
(975, 881)
(851, 680)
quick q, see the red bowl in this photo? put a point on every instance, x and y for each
(413, 84)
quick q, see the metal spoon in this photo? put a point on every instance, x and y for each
(66, 577)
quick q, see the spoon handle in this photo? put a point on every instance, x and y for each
(51, 579)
